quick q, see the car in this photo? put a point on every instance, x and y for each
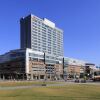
(77, 81)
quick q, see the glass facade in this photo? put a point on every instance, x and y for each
(48, 58)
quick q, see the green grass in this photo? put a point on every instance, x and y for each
(68, 92)
(23, 83)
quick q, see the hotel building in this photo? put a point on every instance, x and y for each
(41, 35)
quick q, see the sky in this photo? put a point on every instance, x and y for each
(79, 19)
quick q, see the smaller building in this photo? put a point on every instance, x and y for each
(30, 65)
(74, 67)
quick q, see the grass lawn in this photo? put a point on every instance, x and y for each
(68, 92)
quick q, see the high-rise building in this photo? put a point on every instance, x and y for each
(41, 35)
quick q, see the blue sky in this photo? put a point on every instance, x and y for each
(80, 20)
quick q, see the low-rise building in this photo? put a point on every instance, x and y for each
(30, 65)
(74, 67)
